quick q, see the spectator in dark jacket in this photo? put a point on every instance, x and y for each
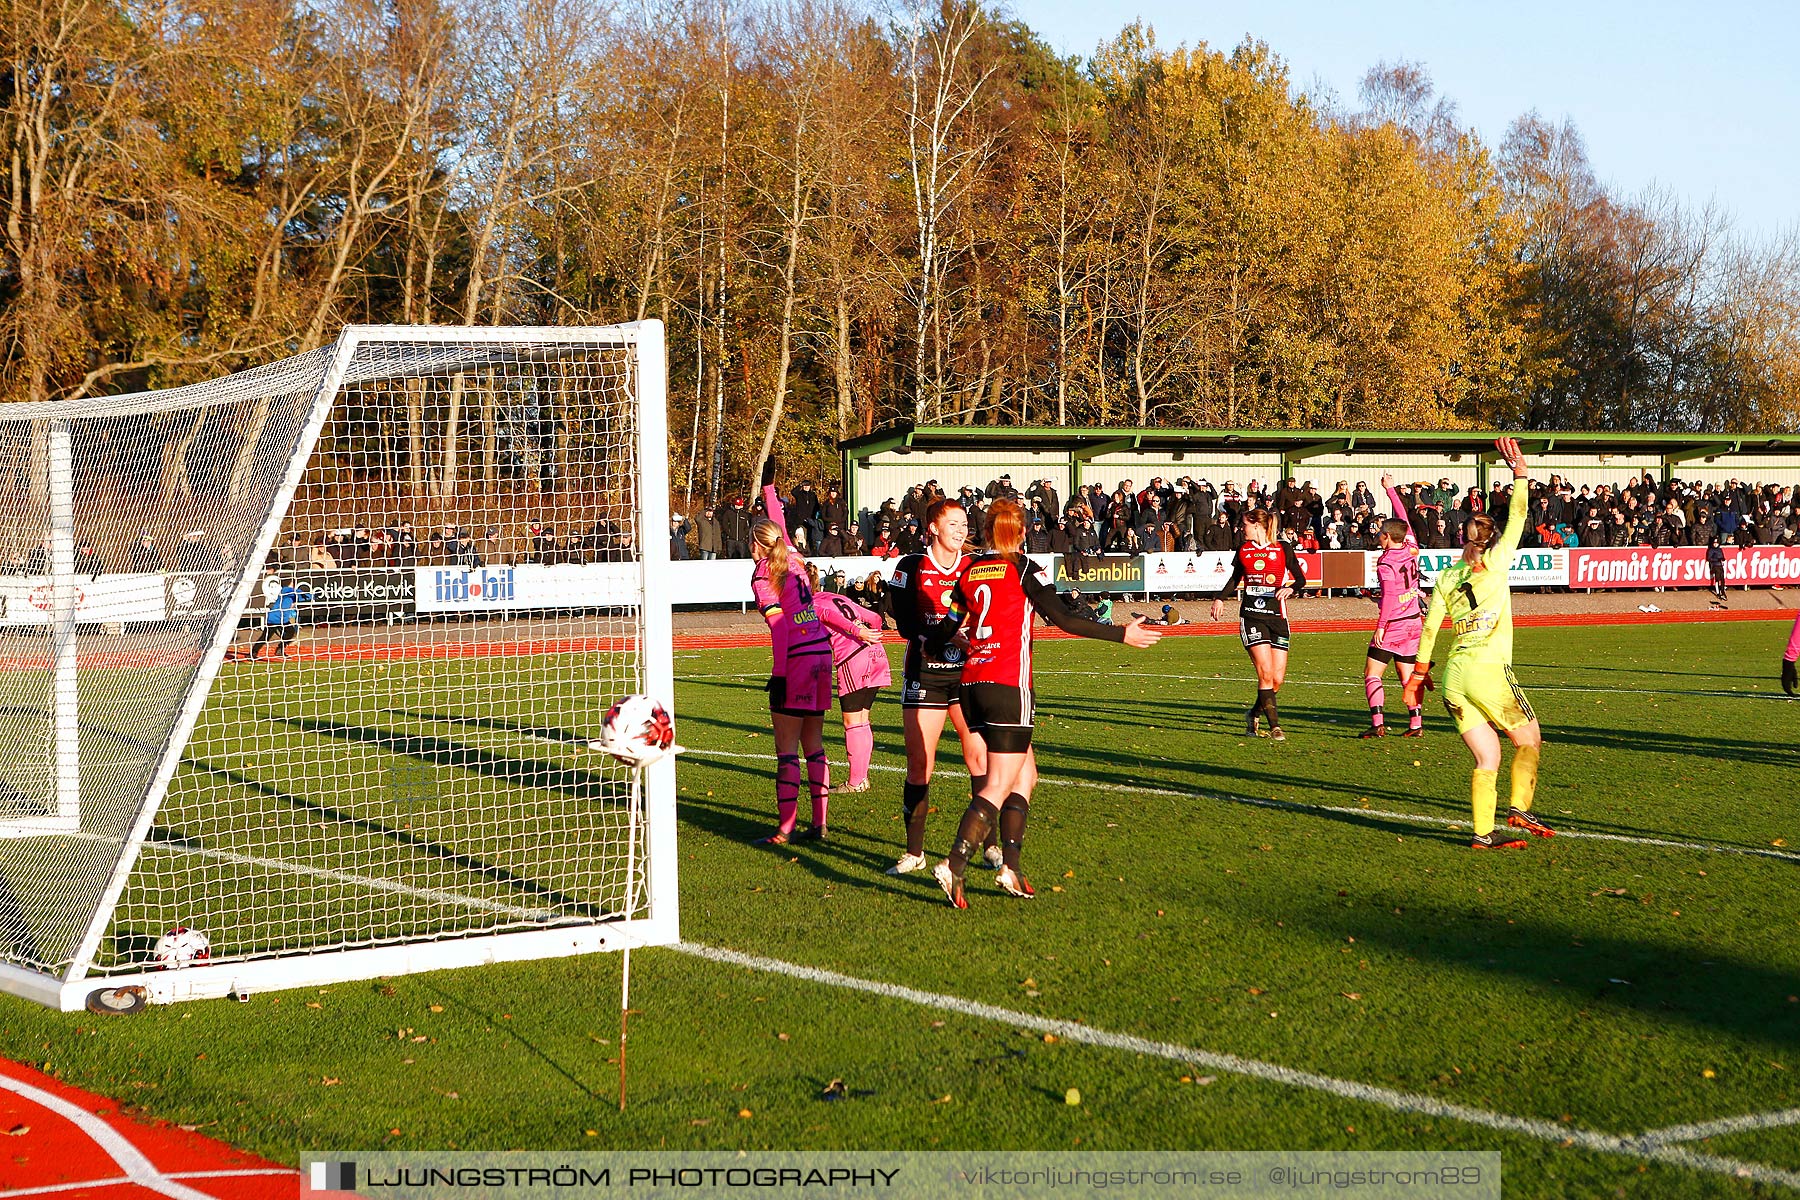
(707, 541)
(734, 529)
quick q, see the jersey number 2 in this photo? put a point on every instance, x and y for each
(985, 597)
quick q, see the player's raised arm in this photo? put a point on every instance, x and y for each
(1501, 552)
(772, 502)
(1401, 511)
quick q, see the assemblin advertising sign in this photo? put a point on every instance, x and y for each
(1107, 573)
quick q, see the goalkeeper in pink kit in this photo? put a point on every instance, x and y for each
(1401, 618)
(799, 675)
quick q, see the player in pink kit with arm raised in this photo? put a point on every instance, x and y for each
(862, 671)
(1401, 618)
(799, 675)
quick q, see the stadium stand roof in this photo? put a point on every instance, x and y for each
(1079, 445)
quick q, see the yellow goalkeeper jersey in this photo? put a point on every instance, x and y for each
(1479, 603)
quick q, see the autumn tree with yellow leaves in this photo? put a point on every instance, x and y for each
(845, 216)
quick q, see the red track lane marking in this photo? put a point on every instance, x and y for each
(54, 1156)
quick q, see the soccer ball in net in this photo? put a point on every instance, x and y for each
(637, 731)
(180, 947)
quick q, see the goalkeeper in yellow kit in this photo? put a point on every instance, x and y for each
(1479, 688)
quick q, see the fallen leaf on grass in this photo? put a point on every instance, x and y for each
(314, 1004)
(701, 1121)
(329, 1081)
(437, 1008)
(1051, 1038)
(1256, 991)
(1056, 887)
(1351, 995)
(745, 1114)
(1609, 892)
(944, 1099)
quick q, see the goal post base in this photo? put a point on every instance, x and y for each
(251, 977)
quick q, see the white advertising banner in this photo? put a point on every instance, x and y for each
(1530, 568)
(501, 588)
(1181, 571)
(26, 599)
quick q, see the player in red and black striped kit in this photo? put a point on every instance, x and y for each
(1270, 572)
(918, 598)
(992, 605)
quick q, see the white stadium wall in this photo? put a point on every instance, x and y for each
(1751, 468)
(1216, 466)
(888, 475)
(1590, 469)
(1327, 469)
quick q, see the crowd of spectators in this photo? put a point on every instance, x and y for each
(395, 544)
(1195, 514)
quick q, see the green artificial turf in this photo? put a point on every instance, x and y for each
(1616, 986)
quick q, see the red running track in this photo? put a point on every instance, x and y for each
(57, 1140)
(395, 651)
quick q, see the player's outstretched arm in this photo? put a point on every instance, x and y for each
(1049, 606)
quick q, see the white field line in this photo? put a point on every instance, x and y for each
(364, 881)
(1708, 1129)
(1341, 809)
(138, 1169)
(1348, 1089)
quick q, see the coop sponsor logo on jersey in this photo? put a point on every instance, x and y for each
(472, 588)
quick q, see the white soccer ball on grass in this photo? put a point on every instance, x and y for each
(181, 947)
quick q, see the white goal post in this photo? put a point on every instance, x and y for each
(308, 658)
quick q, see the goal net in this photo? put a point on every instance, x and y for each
(307, 660)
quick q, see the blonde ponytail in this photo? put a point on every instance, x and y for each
(1478, 534)
(767, 534)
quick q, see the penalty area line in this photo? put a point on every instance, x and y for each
(1649, 1146)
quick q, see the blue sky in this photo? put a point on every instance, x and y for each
(1701, 97)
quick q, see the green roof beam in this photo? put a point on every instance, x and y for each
(1319, 450)
(1094, 450)
(1707, 450)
